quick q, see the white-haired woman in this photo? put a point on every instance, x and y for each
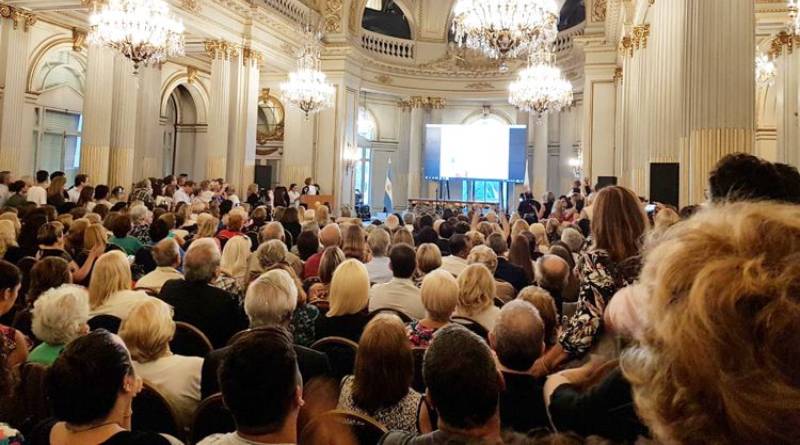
(59, 316)
(147, 332)
(440, 297)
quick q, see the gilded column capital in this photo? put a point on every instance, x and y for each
(640, 35)
(78, 39)
(783, 40)
(18, 17)
(251, 57)
(220, 49)
(626, 46)
(617, 74)
(428, 103)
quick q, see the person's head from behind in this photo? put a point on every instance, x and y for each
(403, 261)
(461, 378)
(403, 236)
(790, 178)
(497, 242)
(354, 241)
(202, 261)
(331, 258)
(439, 295)
(51, 234)
(429, 258)
(349, 289)
(121, 226)
(619, 223)
(378, 241)
(42, 177)
(148, 330)
(271, 253)
(518, 336)
(271, 299)
(60, 315)
(477, 289)
(166, 253)
(307, 245)
(744, 177)
(459, 245)
(261, 405)
(272, 231)
(427, 235)
(91, 379)
(552, 273)
(573, 239)
(384, 364)
(330, 236)
(46, 274)
(718, 360)
(546, 305)
(112, 273)
(483, 255)
(10, 283)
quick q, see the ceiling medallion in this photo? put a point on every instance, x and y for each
(144, 31)
(307, 87)
(505, 29)
(541, 87)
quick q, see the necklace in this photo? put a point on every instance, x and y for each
(83, 430)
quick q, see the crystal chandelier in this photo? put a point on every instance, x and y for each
(144, 31)
(765, 71)
(505, 28)
(307, 88)
(541, 88)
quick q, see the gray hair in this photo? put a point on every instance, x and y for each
(518, 335)
(409, 218)
(573, 239)
(138, 213)
(271, 299)
(483, 255)
(552, 272)
(166, 253)
(271, 253)
(378, 241)
(271, 231)
(60, 314)
(311, 226)
(201, 262)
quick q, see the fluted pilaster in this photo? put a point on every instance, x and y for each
(541, 143)
(219, 107)
(123, 124)
(245, 75)
(14, 42)
(148, 154)
(415, 151)
(97, 110)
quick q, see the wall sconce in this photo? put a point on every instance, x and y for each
(351, 157)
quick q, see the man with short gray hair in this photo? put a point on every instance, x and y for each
(270, 302)
(330, 235)
(378, 268)
(552, 274)
(167, 257)
(518, 340)
(274, 231)
(215, 312)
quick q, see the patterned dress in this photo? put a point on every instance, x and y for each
(600, 278)
(402, 416)
(418, 335)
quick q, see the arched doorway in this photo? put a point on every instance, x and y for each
(182, 133)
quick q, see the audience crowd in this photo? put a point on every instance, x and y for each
(577, 319)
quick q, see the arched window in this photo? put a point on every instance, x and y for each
(385, 17)
(58, 68)
(366, 126)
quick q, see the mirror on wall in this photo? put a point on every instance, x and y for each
(271, 116)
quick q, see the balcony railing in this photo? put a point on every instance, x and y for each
(294, 10)
(390, 47)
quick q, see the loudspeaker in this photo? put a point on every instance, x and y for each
(605, 181)
(665, 179)
(264, 176)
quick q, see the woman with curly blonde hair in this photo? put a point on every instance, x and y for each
(476, 294)
(717, 363)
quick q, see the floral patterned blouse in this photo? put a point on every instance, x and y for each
(418, 335)
(402, 416)
(600, 278)
(303, 324)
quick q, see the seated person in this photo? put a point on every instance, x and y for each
(168, 258)
(378, 267)
(463, 389)
(92, 404)
(269, 303)
(476, 293)
(518, 340)
(147, 332)
(13, 343)
(265, 409)
(348, 299)
(110, 290)
(400, 293)
(384, 369)
(481, 254)
(506, 271)
(440, 297)
(59, 316)
(456, 262)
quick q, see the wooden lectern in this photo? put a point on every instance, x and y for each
(313, 201)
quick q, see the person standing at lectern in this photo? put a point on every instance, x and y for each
(310, 189)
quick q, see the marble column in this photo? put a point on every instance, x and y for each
(219, 107)
(568, 139)
(148, 155)
(787, 83)
(541, 142)
(97, 108)
(244, 119)
(14, 42)
(415, 151)
(123, 124)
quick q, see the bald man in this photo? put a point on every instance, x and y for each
(552, 274)
(329, 236)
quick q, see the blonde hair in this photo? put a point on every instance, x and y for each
(477, 289)
(483, 255)
(14, 219)
(8, 236)
(546, 305)
(429, 258)
(439, 295)
(235, 257)
(539, 232)
(111, 274)
(207, 225)
(403, 236)
(475, 238)
(322, 215)
(94, 235)
(148, 330)
(518, 227)
(349, 290)
(717, 362)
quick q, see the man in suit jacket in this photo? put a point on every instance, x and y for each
(505, 270)
(400, 294)
(195, 301)
(270, 301)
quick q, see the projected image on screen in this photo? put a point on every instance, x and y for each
(486, 150)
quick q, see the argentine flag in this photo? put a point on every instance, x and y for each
(388, 200)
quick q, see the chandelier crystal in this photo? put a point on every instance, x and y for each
(144, 31)
(307, 87)
(541, 88)
(765, 71)
(505, 28)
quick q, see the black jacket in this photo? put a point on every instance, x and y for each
(311, 363)
(522, 403)
(212, 310)
(511, 274)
